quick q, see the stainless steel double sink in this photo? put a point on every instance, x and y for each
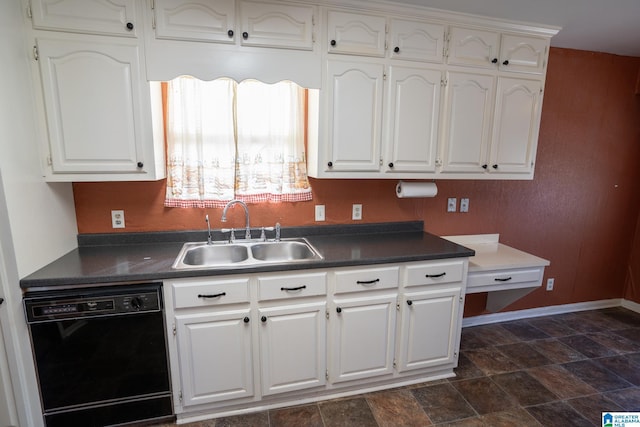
(198, 255)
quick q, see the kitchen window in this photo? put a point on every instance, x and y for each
(228, 140)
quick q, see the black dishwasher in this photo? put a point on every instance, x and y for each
(100, 355)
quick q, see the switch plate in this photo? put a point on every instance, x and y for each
(319, 212)
(117, 219)
(550, 283)
(452, 204)
(356, 212)
(464, 204)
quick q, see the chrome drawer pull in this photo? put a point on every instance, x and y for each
(294, 289)
(497, 279)
(212, 296)
(433, 276)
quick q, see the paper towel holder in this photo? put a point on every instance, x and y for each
(416, 189)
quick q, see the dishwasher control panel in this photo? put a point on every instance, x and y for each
(44, 306)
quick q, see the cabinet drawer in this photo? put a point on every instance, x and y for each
(292, 286)
(202, 293)
(366, 279)
(433, 273)
(505, 279)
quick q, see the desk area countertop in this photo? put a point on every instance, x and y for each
(493, 255)
(505, 273)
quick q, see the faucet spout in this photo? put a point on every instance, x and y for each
(247, 233)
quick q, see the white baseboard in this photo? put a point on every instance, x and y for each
(630, 305)
(485, 319)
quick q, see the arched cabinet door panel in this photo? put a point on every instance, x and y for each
(96, 106)
(106, 17)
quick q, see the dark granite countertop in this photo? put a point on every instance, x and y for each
(139, 257)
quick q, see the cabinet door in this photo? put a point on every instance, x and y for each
(429, 328)
(412, 114)
(467, 122)
(473, 47)
(416, 41)
(354, 116)
(274, 25)
(198, 20)
(293, 347)
(93, 99)
(356, 34)
(113, 17)
(362, 334)
(214, 352)
(524, 54)
(516, 124)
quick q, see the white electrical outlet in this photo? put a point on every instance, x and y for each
(356, 212)
(464, 204)
(550, 283)
(452, 204)
(117, 219)
(319, 212)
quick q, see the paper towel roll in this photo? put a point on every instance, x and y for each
(416, 189)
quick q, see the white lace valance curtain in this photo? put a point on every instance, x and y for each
(229, 140)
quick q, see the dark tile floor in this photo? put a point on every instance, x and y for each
(560, 370)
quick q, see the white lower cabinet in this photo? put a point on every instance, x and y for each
(292, 347)
(429, 326)
(215, 356)
(362, 336)
(247, 342)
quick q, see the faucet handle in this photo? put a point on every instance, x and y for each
(232, 234)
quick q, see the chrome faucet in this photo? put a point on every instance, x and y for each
(247, 233)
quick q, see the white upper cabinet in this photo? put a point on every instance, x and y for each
(98, 110)
(467, 114)
(515, 126)
(277, 25)
(416, 41)
(490, 49)
(258, 24)
(354, 116)
(205, 21)
(108, 17)
(473, 47)
(525, 54)
(411, 122)
(490, 130)
(356, 33)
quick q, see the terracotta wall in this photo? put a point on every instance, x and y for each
(144, 210)
(580, 211)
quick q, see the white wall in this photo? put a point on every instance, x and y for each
(37, 220)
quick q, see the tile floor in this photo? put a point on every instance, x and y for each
(560, 370)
